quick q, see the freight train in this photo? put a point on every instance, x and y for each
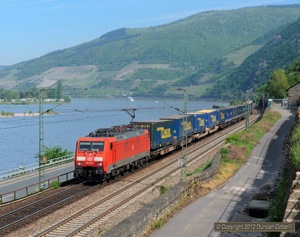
(109, 152)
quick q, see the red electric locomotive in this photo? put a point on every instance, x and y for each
(109, 152)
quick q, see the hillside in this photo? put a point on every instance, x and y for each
(281, 50)
(196, 51)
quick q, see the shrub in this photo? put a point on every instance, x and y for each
(158, 224)
(200, 168)
(163, 189)
(54, 152)
(55, 184)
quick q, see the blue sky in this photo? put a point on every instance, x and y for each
(32, 28)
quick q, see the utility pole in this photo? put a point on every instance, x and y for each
(263, 101)
(182, 162)
(247, 110)
(43, 160)
(41, 139)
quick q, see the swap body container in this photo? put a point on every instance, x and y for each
(181, 128)
(161, 132)
(241, 110)
(226, 115)
(200, 121)
(211, 117)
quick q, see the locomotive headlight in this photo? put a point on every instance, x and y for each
(80, 158)
(99, 164)
(79, 163)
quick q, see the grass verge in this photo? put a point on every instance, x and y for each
(294, 144)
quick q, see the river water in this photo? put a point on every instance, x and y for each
(19, 135)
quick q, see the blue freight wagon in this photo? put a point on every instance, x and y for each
(234, 112)
(241, 110)
(225, 116)
(161, 132)
(211, 118)
(180, 129)
(200, 121)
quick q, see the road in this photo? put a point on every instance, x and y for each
(8, 188)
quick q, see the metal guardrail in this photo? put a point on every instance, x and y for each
(34, 188)
(22, 170)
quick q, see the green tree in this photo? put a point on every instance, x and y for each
(278, 84)
(32, 93)
(293, 73)
(51, 93)
(54, 152)
(9, 95)
(59, 90)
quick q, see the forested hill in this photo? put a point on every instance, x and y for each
(282, 49)
(193, 52)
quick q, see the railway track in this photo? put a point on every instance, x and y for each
(83, 221)
(28, 213)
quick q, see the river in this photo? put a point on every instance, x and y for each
(19, 137)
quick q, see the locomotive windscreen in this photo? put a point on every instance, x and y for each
(91, 146)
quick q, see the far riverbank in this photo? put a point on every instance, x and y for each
(19, 115)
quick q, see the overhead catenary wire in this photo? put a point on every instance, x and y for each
(160, 100)
(63, 102)
(63, 121)
(72, 111)
(47, 118)
(65, 112)
(68, 112)
(169, 106)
